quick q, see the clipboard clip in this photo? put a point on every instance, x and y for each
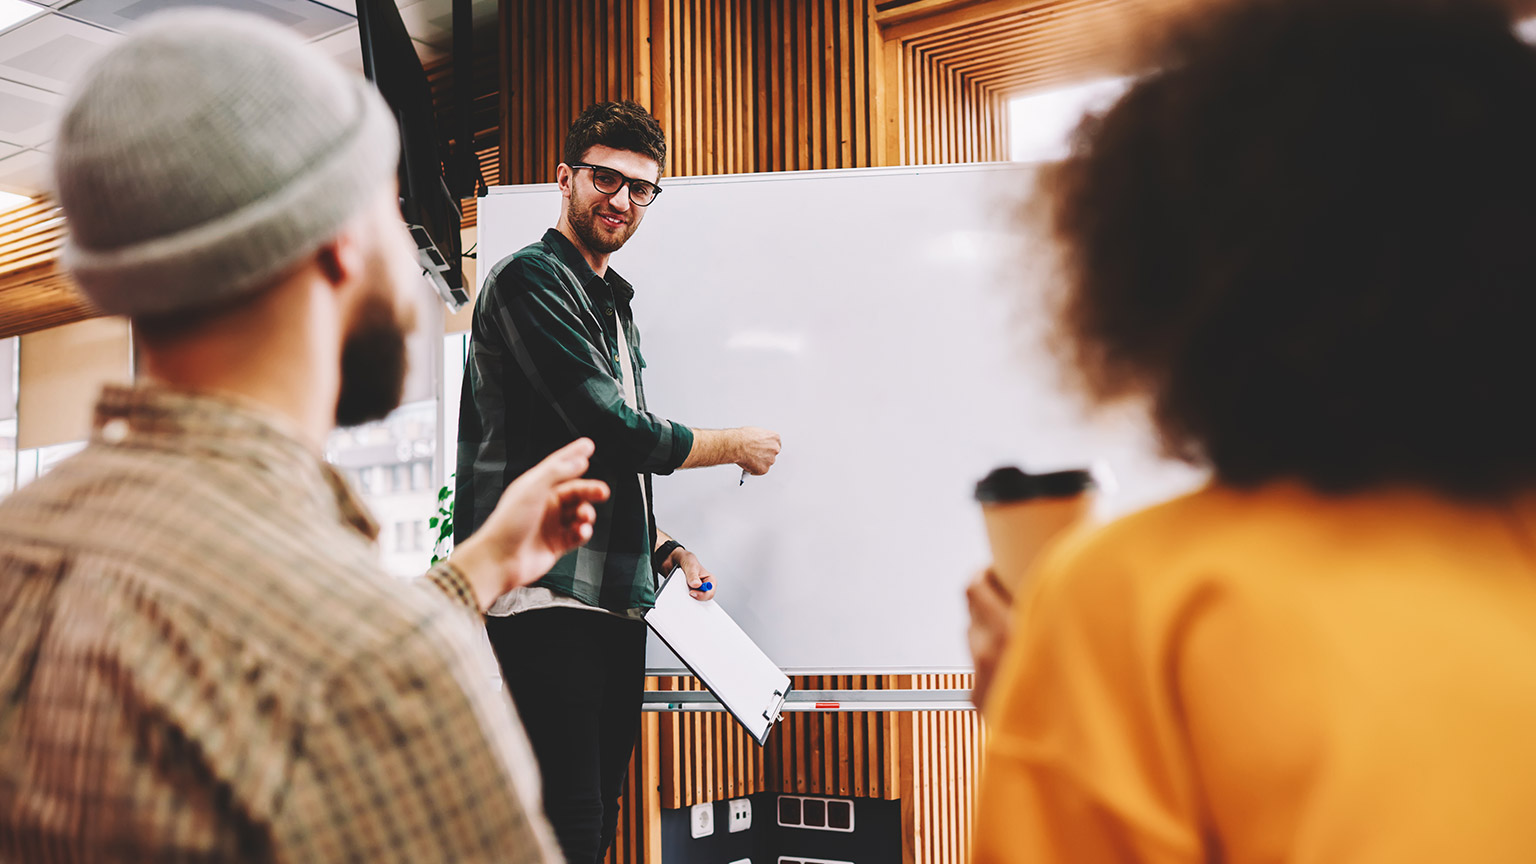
(775, 709)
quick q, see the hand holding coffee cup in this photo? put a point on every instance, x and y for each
(1023, 512)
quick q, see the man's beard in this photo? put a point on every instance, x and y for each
(373, 363)
(585, 224)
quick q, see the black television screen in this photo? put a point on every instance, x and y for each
(429, 208)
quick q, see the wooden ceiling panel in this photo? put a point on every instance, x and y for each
(38, 297)
(34, 292)
(1012, 46)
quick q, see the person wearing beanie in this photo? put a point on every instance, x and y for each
(201, 657)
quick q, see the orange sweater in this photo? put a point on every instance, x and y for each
(1273, 676)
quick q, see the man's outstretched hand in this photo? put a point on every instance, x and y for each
(545, 513)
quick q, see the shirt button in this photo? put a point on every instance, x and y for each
(114, 431)
(608, 310)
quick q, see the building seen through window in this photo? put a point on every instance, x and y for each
(389, 465)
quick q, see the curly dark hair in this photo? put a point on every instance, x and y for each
(1308, 240)
(620, 125)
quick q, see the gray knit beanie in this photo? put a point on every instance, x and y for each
(207, 152)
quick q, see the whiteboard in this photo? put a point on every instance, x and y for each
(888, 322)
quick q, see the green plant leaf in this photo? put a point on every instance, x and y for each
(432, 523)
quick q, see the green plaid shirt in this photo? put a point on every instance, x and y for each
(544, 370)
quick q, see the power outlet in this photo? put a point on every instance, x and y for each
(702, 819)
(741, 815)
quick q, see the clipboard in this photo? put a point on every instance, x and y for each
(719, 653)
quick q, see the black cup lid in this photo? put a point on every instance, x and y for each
(1011, 484)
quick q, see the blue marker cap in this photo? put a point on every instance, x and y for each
(706, 586)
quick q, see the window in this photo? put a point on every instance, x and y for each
(8, 385)
(1041, 124)
(384, 458)
(8, 457)
(38, 461)
(455, 356)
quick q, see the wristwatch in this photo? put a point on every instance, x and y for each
(662, 553)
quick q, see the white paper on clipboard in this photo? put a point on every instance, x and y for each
(721, 654)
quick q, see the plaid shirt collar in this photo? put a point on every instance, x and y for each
(156, 417)
(571, 257)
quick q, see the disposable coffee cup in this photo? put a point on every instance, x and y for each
(1025, 512)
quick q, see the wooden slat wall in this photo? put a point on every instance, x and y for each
(950, 116)
(940, 763)
(558, 57)
(706, 757)
(766, 85)
(738, 85)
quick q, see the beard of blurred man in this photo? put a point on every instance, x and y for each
(588, 206)
(373, 353)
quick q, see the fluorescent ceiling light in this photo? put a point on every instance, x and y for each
(13, 12)
(10, 201)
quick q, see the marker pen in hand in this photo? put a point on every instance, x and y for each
(743, 478)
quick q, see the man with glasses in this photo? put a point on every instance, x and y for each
(555, 356)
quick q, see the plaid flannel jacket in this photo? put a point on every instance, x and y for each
(202, 660)
(544, 370)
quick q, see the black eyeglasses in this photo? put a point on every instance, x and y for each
(608, 181)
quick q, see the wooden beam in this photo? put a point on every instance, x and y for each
(959, 14)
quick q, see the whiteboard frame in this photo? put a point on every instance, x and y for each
(775, 177)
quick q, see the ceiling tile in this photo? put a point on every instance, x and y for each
(51, 52)
(8, 149)
(344, 48)
(26, 173)
(28, 116)
(347, 6)
(309, 19)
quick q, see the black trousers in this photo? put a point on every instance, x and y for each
(577, 678)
